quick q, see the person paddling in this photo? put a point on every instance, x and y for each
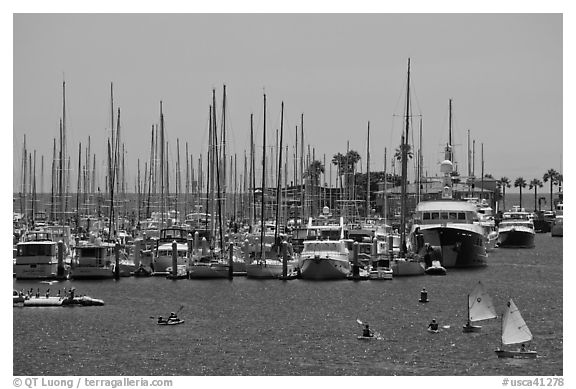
(173, 317)
(433, 326)
(367, 332)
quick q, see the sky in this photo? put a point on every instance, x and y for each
(503, 73)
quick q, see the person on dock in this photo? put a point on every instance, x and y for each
(433, 325)
(367, 332)
(523, 348)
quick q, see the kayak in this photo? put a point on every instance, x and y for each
(361, 337)
(170, 322)
(433, 331)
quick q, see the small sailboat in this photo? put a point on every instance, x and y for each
(480, 307)
(514, 331)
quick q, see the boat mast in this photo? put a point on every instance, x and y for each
(368, 173)
(403, 148)
(262, 210)
(279, 178)
(385, 189)
(251, 197)
(161, 167)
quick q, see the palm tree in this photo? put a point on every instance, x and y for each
(313, 172)
(520, 183)
(535, 184)
(398, 152)
(504, 183)
(551, 175)
(345, 163)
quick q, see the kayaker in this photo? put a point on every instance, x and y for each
(172, 317)
(366, 331)
(433, 325)
(160, 319)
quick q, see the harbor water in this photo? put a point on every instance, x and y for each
(297, 327)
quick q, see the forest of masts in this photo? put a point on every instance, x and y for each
(214, 183)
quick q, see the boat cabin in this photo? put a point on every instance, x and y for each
(443, 212)
(37, 248)
(178, 234)
(320, 246)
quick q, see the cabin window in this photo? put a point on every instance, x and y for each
(461, 216)
(444, 215)
(435, 215)
(453, 215)
(426, 215)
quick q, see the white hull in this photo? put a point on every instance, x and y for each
(93, 272)
(161, 263)
(516, 354)
(36, 271)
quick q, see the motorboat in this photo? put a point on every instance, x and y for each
(163, 253)
(324, 260)
(93, 259)
(557, 228)
(516, 229)
(37, 257)
(451, 227)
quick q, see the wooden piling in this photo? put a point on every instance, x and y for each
(60, 271)
(117, 261)
(284, 259)
(230, 261)
(174, 259)
(355, 266)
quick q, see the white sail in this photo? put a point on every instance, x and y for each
(514, 328)
(480, 304)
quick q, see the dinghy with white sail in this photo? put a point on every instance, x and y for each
(480, 307)
(514, 331)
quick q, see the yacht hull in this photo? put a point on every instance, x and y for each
(516, 238)
(459, 247)
(324, 269)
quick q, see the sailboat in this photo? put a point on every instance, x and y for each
(405, 265)
(514, 331)
(480, 307)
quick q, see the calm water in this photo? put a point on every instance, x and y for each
(298, 327)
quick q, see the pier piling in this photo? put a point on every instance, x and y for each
(230, 261)
(284, 259)
(355, 266)
(174, 259)
(117, 261)
(60, 271)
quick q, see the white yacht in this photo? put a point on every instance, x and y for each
(37, 257)
(93, 259)
(516, 229)
(324, 260)
(162, 259)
